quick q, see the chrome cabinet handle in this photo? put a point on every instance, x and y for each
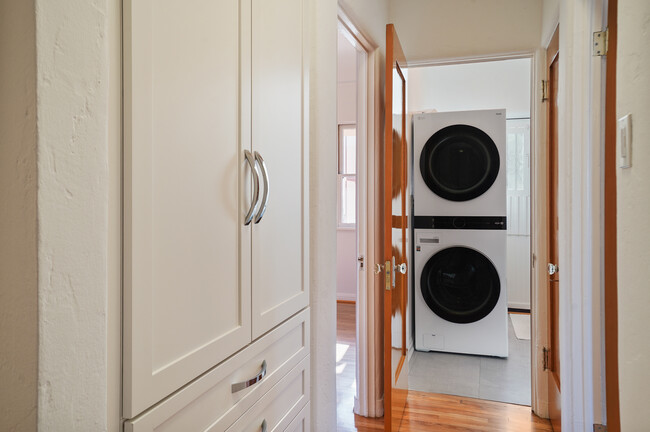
(265, 196)
(245, 384)
(401, 268)
(552, 269)
(256, 188)
(263, 429)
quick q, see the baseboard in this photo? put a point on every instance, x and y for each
(346, 301)
(516, 305)
(410, 352)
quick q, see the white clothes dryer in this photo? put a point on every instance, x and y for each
(460, 298)
(459, 163)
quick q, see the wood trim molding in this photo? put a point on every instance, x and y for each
(610, 264)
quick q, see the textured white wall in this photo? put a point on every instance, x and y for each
(72, 65)
(18, 228)
(437, 29)
(633, 204)
(322, 213)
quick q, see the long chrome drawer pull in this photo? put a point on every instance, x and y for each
(265, 196)
(245, 384)
(256, 188)
(263, 426)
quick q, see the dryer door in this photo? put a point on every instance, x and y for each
(460, 285)
(459, 162)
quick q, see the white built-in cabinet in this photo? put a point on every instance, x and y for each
(215, 130)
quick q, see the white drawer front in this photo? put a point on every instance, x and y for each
(301, 422)
(275, 411)
(209, 403)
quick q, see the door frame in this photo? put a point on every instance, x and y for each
(367, 315)
(539, 397)
(580, 208)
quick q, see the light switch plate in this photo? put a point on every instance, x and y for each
(625, 141)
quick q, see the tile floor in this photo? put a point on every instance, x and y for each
(491, 378)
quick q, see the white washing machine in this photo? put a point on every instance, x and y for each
(460, 298)
(459, 163)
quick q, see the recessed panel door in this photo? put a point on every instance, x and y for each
(186, 249)
(279, 141)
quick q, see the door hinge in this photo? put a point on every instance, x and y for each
(600, 42)
(545, 361)
(544, 90)
(600, 428)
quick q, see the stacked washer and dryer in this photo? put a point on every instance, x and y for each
(459, 232)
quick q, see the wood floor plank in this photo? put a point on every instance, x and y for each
(425, 412)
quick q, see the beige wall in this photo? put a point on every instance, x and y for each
(438, 29)
(633, 208)
(18, 227)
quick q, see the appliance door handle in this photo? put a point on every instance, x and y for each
(249, 382)
(256, 188)
(265, 196)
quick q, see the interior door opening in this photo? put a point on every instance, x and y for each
(437, 366)
(358, 391)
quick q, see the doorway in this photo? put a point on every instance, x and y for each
(356, 361)
(463, 87)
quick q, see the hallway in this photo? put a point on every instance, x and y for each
(424, 411)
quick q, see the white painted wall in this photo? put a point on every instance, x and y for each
(72, 75)
(633, 207)
(438, 29)
(472, 86)
(346, 264)
(18, 227)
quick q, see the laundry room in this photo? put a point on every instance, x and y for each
(471, 206)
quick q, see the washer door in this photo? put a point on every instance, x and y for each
(460, 285)
(459, 162)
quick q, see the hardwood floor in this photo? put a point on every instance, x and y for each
(424, 411)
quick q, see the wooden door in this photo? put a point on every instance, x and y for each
(554, 402)
(186, 181)
(395, 235)
(279, 139)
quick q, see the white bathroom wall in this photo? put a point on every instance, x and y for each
(488, 85)
(346, 238)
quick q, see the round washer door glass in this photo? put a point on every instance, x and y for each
(459, 162)
(460, 285)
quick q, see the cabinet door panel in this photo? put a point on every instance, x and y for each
(187, 253)
(279, 134)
